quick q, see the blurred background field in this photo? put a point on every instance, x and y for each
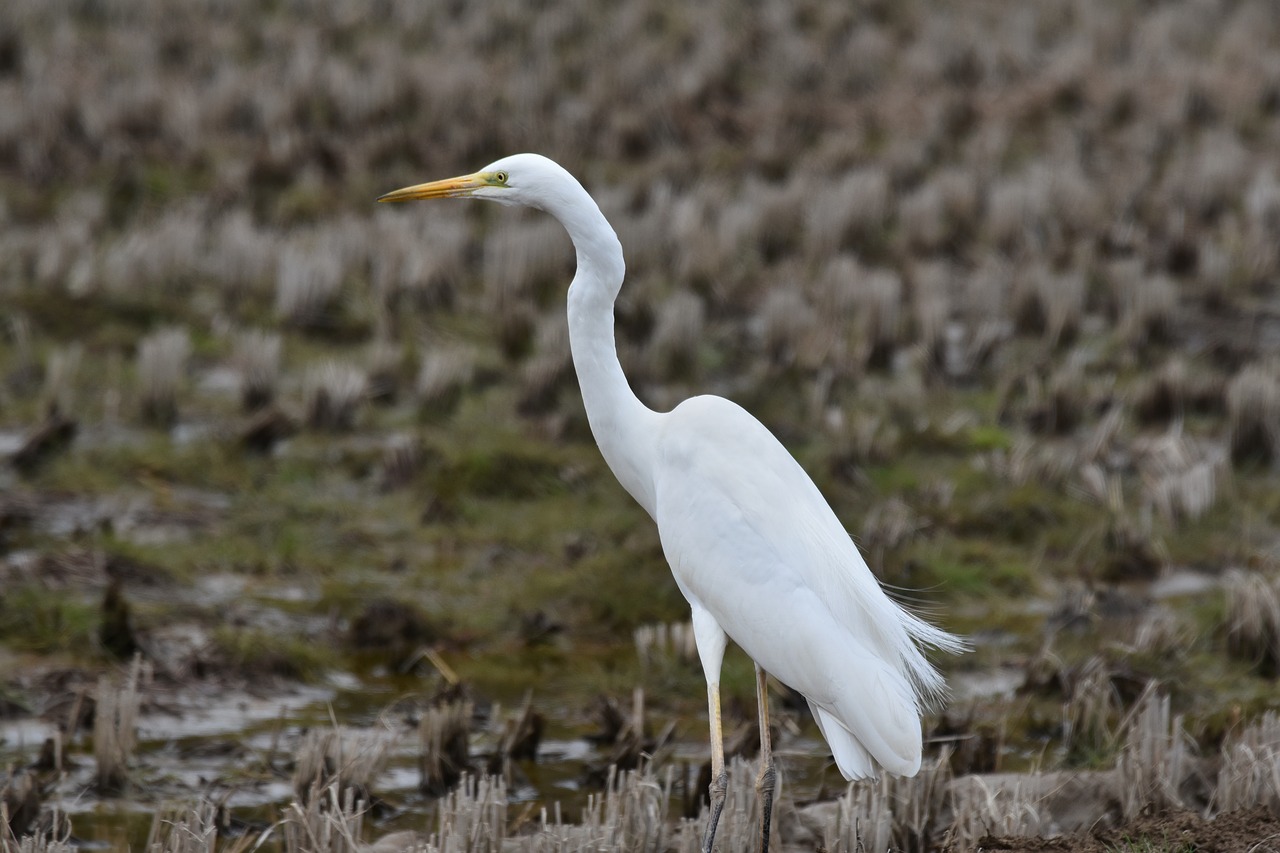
(1004, 279)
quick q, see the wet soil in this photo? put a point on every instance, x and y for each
(1251, 831)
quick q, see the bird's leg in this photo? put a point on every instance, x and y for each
(719, 775)
(768, 775)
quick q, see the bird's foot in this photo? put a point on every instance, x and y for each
(765, 783)
(719, 786)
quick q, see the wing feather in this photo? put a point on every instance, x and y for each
(751, 539)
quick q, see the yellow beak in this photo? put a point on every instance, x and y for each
(459, 187)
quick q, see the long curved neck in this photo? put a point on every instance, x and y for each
(624, 428)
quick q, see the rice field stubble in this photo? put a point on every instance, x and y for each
(1004, 280)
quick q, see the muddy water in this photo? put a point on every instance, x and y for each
(237, 746)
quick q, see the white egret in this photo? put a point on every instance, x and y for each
(753, 545)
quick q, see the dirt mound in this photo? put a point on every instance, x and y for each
(1251, 831)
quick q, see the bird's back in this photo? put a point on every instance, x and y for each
(752, 540)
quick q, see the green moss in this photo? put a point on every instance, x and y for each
(153, 461)
(895, 479)
(104, 322)
(623, 591)
(1092, 755)
(981, 438)
(1019, 515)
(253, 653)
(301, 203)
(35, 619)
(508, 473)
(1225, 535)
(953, 567)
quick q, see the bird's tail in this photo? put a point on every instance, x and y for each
(930, 687)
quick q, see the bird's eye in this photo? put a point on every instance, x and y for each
(500, 177)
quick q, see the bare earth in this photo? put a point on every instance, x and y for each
(1251, 831)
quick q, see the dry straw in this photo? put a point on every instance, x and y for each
(892, 812)
(60, 378)
(1156, 758)
(327, 820)
(1250, 771)
(542, 376)
(52, 837)
(876, 301)
(115, 719)
(1163, 633)
(677, 334)
(402, 459)
(984, 809)
(1252, 619)
(786, 323)
(333, 394)
(308, 281)
(348, 759)
(444, 740)
(193, 829)
(471, 818)
(846, 212)
(630, 815)
(162, 365)
(1180, 477)
(256, 358)
(1092, 706)
(739, 827)
(444, 370)
(931, 288)
(664, 641)
(1253, 411)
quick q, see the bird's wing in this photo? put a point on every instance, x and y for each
(752, 541)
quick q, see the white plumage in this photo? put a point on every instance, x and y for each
(752, 542)
(753, 545)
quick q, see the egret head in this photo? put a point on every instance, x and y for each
(524, 179)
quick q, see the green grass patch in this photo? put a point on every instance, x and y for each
(255, 653)
(952, 567)
(982, 438)
(34, 619)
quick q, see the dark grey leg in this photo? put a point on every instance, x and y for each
(768, 776)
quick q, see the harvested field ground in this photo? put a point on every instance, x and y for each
(1236, 832)
(298, 501)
